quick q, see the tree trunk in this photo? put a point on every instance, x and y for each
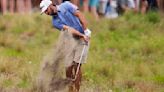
(4, 6)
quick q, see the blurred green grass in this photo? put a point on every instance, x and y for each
(126, 54)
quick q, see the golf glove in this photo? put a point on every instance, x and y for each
(87, 32)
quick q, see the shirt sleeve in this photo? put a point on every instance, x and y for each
(71, 7)
(57, 24)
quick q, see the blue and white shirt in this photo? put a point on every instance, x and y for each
(65, 16)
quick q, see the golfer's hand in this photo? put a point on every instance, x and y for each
(86, 38)
(87, 32)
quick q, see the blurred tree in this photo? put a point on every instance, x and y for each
(20, 6)
(161, 5)
(35, 3)
(11, 6)
(3, 6)
(28, 5)
(25, 6)
(57, 2)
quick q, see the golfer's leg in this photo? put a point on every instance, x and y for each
(69, 74)
(78, 78)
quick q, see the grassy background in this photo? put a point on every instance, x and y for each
(126, 54)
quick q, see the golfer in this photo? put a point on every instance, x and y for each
(67, 18)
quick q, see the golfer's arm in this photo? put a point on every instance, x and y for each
(81, 18)
(73, 31)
